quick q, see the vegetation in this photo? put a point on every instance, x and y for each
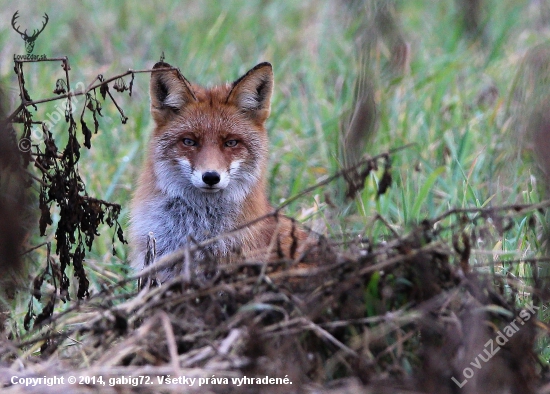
(461, 95)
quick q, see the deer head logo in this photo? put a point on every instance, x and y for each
(29, 40)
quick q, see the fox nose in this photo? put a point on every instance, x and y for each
(211, 178)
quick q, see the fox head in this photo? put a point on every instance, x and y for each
(209, 143)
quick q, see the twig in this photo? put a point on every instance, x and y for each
(340, 173)
(70, 94)
(385, 222)
(34, 248)
(170, 341)
(518, 208)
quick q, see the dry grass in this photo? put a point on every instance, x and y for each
(408, 314)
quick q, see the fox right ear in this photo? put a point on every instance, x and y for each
(169, 91)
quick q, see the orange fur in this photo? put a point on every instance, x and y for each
(205, 172)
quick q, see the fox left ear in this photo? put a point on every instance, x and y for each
(252, 92)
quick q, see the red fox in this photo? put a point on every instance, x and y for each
(205, 171)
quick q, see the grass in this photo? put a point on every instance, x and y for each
(465, 153)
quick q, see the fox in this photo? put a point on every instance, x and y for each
(205, 173)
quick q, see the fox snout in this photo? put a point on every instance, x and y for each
(211, 178)
(210, 181)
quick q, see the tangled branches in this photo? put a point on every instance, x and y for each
(61, 185)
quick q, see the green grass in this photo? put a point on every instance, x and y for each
(465, 154)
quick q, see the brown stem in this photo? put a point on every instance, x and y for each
(25, 103)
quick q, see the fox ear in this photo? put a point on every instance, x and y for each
(169, 91)
(252, 92)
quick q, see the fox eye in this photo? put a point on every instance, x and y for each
(189, 142)
(231, 143)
